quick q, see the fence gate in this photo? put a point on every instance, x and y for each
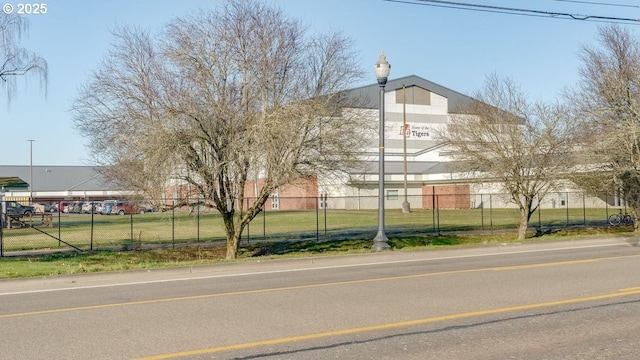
(19, 232)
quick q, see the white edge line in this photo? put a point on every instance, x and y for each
(303, 269)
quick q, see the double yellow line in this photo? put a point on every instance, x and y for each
(621, 293)
(242, 346)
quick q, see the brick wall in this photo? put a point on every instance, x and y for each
(446, 196)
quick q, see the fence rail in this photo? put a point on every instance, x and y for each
(305, 218)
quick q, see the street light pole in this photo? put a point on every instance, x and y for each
(406, 207)
(30, 171)
(382, 69)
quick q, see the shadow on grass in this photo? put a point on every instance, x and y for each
(354, 245)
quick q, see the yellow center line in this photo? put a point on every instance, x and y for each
(309, 286)
(388, 326)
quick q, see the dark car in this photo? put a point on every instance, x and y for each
(15, 208)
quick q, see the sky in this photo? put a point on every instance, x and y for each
(453, 47)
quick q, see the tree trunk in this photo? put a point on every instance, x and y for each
(232, 245)
(233, 233)
(523, 225)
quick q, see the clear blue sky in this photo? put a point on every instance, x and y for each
(452, 47)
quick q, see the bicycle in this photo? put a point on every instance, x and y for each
(621, 219)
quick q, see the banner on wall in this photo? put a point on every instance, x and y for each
(412, 131)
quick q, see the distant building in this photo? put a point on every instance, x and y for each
(55, 183)
(414, 107)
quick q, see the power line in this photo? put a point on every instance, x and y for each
(598, 3)
(517, 11)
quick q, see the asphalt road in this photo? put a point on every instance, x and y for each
(562, 300)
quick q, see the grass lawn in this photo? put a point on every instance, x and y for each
(96, 261)
(101, 231)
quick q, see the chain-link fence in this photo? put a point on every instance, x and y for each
(170, 223)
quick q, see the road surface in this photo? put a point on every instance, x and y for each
(560, 300)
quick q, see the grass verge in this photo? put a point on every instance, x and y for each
(97, 261)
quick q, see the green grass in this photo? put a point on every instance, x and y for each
(168, 228)
(97, 261)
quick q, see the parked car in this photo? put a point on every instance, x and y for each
(75, 207)
(68, 207)
(104, 208)
(62, 206)
(90, 207)
(15, 208)
(122, 207)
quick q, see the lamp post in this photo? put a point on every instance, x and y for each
(382, 69)
(30, 171)
(406, 207)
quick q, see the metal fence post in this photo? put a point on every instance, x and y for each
(317, 220)
(173, 223)
(491, 212)
(248, 225)
(438, 212)
(584, 210)
(567, 207)
(606, 208)
(59, 225)
(325, 205)
(131, 225)
(91, 232)
(2, 220)
(433, 212)
(481, 213)
(539, 214)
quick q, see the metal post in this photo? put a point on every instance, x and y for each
(606, 208)
(481, 213)
(131, 224)
(59, 223)
(2, 220)
(406, 207)
(92, 228)
(325, 213)
(491, 212)
(30, 171)
(539, 215)
(382, 68)
(173, 223)
(566, 204)
(584, 210)
(198, 221)
(438, 212)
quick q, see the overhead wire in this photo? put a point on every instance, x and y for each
(518, 11)
(598, 3)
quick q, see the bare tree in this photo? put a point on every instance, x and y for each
(607, 104)
(221, 98)
(507, 140)
(15, 60)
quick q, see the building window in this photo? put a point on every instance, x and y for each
(275, 202)
(414, 95)
(392, 194)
